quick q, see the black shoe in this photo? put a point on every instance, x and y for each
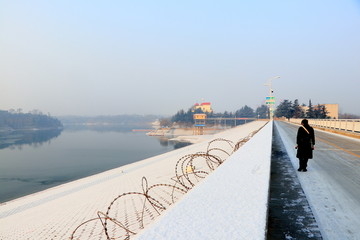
(299, 169)
(304, 170)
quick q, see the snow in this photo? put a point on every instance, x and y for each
(231, 203)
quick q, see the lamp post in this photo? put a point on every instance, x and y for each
(271, 102)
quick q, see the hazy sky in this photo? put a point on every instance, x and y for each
(157, 57)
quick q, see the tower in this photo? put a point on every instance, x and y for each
(199, 119)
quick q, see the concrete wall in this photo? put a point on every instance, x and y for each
(231, 203)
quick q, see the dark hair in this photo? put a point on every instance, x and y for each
(305, 122)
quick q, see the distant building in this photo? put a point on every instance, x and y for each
(332, 110)
(205, 107)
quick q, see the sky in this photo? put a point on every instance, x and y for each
(157, 57)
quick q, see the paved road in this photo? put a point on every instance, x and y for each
(332, 183)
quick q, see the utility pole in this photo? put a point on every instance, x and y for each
(270, 100)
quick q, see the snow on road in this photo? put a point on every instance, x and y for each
(332, 183)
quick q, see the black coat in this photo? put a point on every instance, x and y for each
(305, 142)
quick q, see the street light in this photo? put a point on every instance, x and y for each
(271, 102)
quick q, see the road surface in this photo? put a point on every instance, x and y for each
(332, 183)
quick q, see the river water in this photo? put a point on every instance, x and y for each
(47, 159)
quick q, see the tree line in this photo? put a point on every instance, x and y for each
(16, 120)
(286, 109)
(183, 117)
(289, 109)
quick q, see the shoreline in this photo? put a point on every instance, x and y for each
(12, 130)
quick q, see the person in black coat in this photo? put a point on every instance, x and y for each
(305, 141)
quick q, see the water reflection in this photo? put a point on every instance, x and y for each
(100, 127)
(165, 142)
(37, 138)
(181, 144)
(18, 139)
(123, 129)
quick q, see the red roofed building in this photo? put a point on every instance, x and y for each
(205, 107)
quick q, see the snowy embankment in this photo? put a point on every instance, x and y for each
(231, 203)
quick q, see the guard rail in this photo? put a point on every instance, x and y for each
(347, 125)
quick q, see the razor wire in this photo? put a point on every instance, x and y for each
(154, 199)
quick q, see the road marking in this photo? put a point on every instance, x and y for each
(336, 146)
